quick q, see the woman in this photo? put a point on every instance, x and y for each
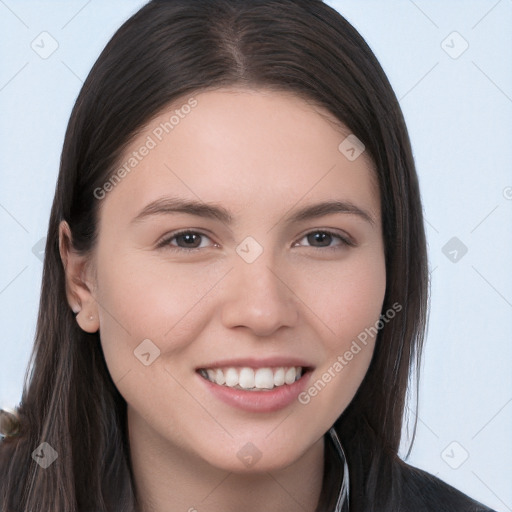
(195, 348)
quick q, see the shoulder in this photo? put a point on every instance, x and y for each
(424, 492)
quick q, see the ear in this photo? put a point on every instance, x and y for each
(78, 282)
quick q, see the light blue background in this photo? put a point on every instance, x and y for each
(459, 115)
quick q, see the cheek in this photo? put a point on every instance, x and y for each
(169, 305)
(348, 300)
(144, 300)
(346, 296)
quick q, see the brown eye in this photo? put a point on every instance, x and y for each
(189, 240)
(184, 240)
(327, 239)
(320, 237)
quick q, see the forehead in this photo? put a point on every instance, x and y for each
(241, 147)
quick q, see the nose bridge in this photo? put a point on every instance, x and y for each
(254, 263)
(258, 297)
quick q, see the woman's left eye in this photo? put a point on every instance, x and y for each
(325, 238)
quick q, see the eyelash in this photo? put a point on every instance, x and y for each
(166, 242)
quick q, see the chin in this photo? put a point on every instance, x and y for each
(252, 457)
(253, 464)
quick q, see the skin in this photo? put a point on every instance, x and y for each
(262, 155)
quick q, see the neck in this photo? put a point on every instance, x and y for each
(170, 479)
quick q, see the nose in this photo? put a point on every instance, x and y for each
(258, 298)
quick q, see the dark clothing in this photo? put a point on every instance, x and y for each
(419, 491)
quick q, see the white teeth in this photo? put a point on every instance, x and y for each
(231, 377)
(246, 378)
(289, 376)
(264, 378)
(219, 377)
(279, 377)
(250, 379)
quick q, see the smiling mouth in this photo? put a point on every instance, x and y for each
(254, 379)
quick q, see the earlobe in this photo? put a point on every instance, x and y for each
(78, 292)
(87, 322)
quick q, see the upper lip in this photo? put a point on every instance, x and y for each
(253, 362)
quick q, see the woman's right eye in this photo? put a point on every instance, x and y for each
(185, 241)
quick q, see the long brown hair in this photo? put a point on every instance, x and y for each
(169, 49)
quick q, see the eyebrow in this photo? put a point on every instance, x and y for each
(170, 205)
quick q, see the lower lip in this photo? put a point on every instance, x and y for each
(259, 401)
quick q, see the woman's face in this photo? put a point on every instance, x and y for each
(252, 287)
